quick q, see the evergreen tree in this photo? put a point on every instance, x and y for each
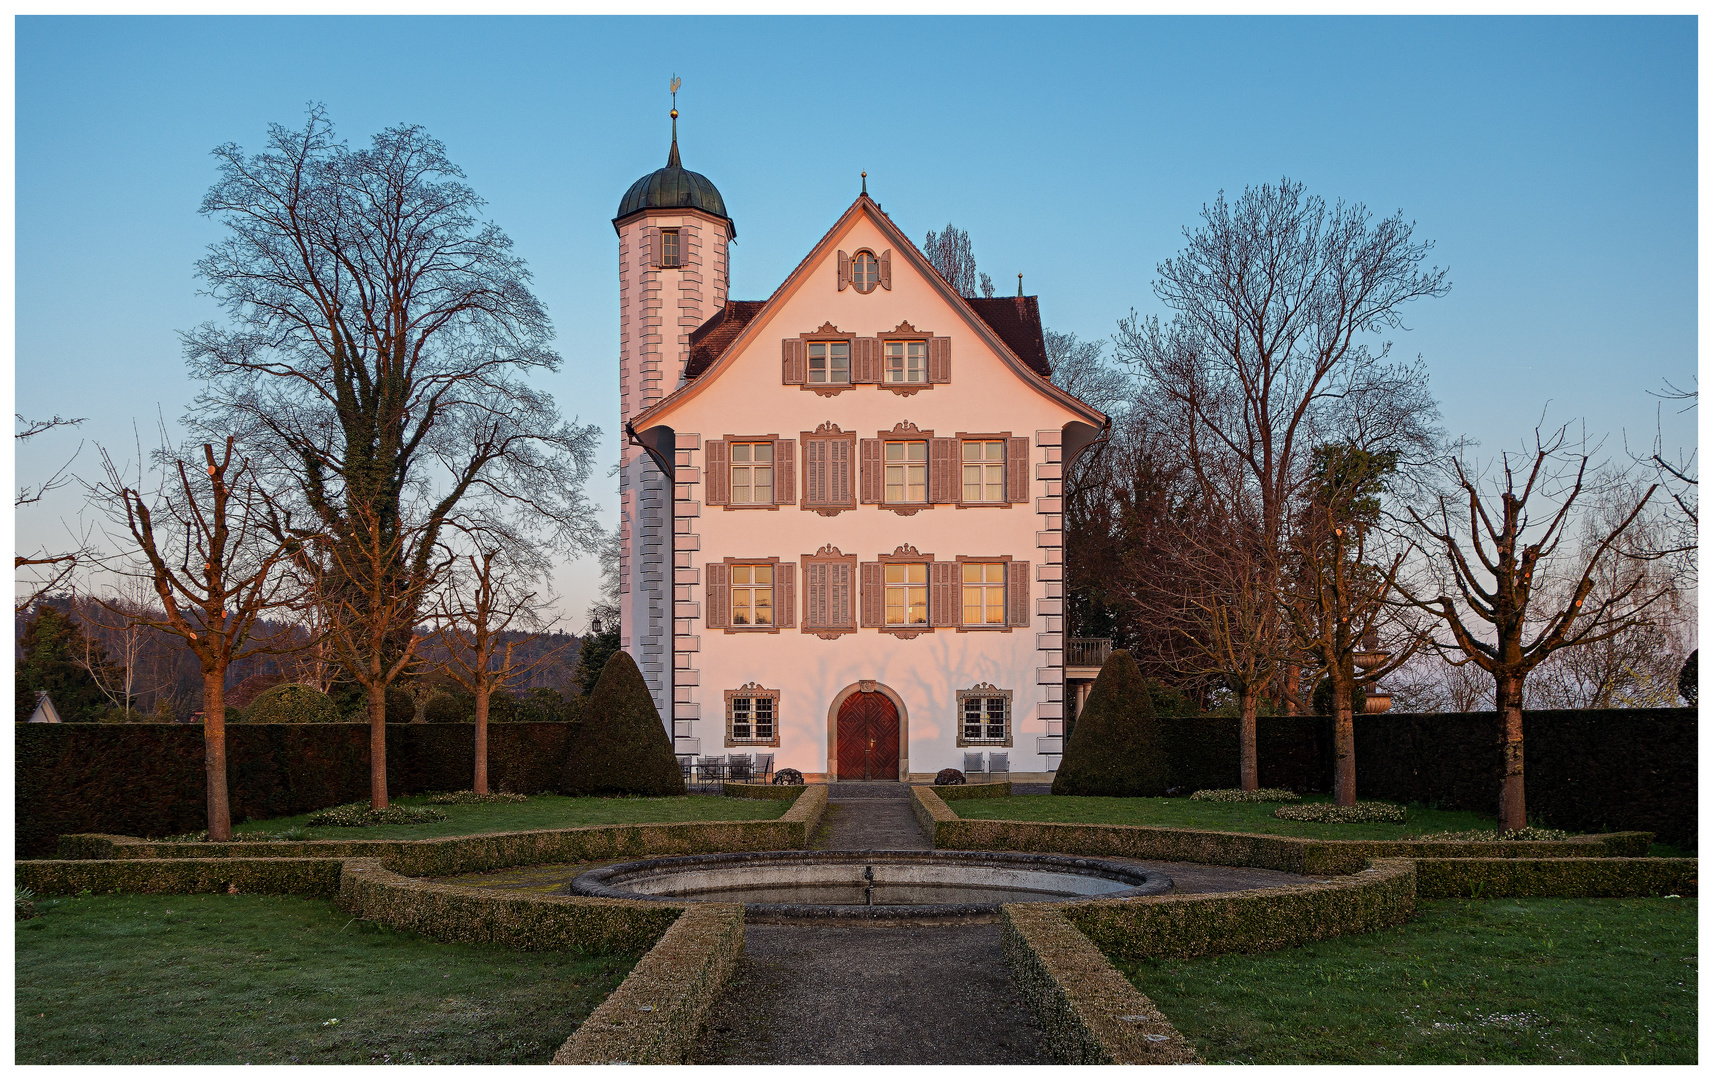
(621, 746)
(55, 651)
(593, 652)
(1115, 748)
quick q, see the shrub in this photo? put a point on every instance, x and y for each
(1115, 747)
(291, 703)
(1239, 795)
(359, 815)
(25, 905)
(1531, 832)
(788, 778)
(948, 776)
(621, 747)
(1341, 815)
(464, 798)
(458, 707)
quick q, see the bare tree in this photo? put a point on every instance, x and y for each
(51, 570)
(127, 639)
(214, 557)
(380, 343)
(949, 252)
(1270, 352)
(1505, 617)
(483, 600)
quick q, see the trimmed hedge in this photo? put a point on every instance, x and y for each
(530, 922)
(272, 877)
(764, 792)
(622, 746)
(931, 812)
(1089, 1013)
(1437, 878)
(291, 703)
(655, 1015)
(1252, 920)
(995, 790)
(1115, 748)
(148, 779)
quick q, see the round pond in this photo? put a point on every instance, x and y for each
(870, 885)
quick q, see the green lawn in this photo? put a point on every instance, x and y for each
(543, 812)
(218, 979)
(1605, 982)
(1222, 817)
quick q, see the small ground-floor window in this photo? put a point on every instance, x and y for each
(752, 716)
(984, 716)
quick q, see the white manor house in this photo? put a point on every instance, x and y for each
(840, 538)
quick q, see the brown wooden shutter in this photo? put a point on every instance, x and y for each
(792, 363)
(785, 581)
(873, 595)
(815, 454)
(716, 613)
(886, 269)
(815, 593)
(865, 360)
(1017, 471)
(839, 467)
(940, 360)
(717, 481)
(839, 610)
(1017, 593)
(784, 472)
(844, 271)
(943, 471)
(945, 606)
(873, 472)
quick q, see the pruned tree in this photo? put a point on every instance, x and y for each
(1271, 351)
(949, 252)
(379, 343)
(486, 595)
(213, 551)
(1502, 610)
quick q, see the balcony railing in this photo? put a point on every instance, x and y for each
(1087, 651)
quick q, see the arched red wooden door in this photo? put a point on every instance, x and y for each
(868, 738)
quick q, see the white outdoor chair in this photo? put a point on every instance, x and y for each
(972, 764)
(998, 763)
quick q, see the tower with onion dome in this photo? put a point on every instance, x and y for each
(674, 243)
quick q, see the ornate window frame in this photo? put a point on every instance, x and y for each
(856, 256)
(1004, 627)
(828, 333)
(905, 332)
(1002, 437)
(751, 691)
(984, 691)
(907, 553)
(830, 430)
(905, 431)
(830, 555)
(784, 606)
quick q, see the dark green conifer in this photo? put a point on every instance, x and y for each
(55, 654)
(1115, 748)
(621, 747)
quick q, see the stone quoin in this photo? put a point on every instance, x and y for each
(840, 526)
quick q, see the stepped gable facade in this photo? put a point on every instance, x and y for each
(840, 507)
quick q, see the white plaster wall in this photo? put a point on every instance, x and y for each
(985, 395)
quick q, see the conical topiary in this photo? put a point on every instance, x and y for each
(621, 747)
(1115, 747)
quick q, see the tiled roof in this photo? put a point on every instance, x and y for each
(710, 339)
(1017, 321)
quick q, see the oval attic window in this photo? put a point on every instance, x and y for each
(865, 271)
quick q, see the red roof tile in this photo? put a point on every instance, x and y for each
(1017, 321)
(710, 339)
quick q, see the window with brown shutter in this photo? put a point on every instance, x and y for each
(784, 472)
(1017, 586)
(844, 271)
(906, 589)
(873, 472)
(942, 470)
(669, 249)
(984, 598)
(943, 597)
(901, 473)
(886, 269)
(829, 460)
(716, 611)
(829, 593)
(821, 360)
(873, 594)
(1017, 471)
(905, 364)
(717, 478)
(940, 360)
(865, 360)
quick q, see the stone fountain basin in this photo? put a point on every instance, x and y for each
(908, 886)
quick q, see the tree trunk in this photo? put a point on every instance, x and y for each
(378, 747)
(1292, 690)
(214, 756)
(1248, 773)
(1512, 815)
(480, 786)
(1343, 744)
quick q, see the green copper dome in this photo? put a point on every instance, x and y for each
(672, 188)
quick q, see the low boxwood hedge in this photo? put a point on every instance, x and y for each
(761, 791)
(1437, 878)
(951, 793)
(654, 1016)
(274, 877)
(530, 922)
(1089, 1013)
(1252, 920)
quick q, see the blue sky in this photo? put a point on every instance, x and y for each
(1551, 161)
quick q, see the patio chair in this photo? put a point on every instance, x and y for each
(687, 764)
(998, 763)
(711, 769)
(738, 768)
(764, 767)
(972, 764)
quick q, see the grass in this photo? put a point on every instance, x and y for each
(1534, 981)
(541, 812)
(1220, 817)
(221, 979)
